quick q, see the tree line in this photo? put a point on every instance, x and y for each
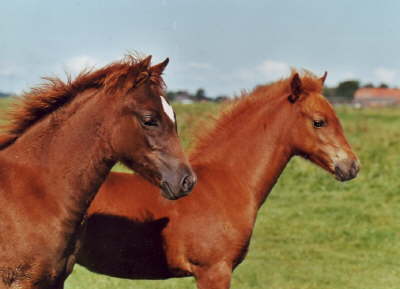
(343, 89)
(198, 96)
(348, 88)
(3, 94)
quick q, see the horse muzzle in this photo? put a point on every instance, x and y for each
(174, 188)
(346, 169)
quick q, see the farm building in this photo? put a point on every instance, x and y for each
(373, 97)
(183, 97)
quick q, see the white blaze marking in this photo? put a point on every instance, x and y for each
(167, 109)
(338, 154)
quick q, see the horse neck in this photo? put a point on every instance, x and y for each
(68, 151)
(249, 155)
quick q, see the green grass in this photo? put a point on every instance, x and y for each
(314, 232)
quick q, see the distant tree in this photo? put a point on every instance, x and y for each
(171, 95)
(3, 94)
(368, 85)
(221, 98)
(329, 91)
(200, 94)
(383, 85)
(347, 88)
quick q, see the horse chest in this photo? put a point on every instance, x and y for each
(241, 252)
(235, 241)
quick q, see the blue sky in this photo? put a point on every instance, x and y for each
(222, 46)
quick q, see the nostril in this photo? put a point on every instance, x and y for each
(339, 173)
(187, 184)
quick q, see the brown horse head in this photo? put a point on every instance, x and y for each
(123, 105)
(317, 132)
(153, 150)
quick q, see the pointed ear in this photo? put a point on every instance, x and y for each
(296, 88)
(323, 77)
(159, 68)
(145, 63)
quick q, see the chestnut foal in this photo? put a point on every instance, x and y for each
(60, 144)
(237, 163)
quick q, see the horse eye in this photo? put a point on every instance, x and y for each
(319, 123)
(149, 121)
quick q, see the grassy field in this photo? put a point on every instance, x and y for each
(314, 232)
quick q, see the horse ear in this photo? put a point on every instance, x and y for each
(323, 77)
(145, 63)
(143, 69)
(159, 68)
(296, 88)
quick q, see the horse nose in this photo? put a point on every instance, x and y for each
(178, 184)
(187, 183)
(346, 169)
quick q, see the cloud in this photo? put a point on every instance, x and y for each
(335, 77)
(200, 65)
(386, 75)
(347, 75)
(272, 69)
(269, 70)
(76, 64)
(9, 70)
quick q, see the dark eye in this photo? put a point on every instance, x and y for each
(149, 121)
(319, 123)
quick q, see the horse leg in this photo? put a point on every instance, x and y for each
(217, 276)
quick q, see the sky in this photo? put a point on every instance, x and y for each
(222, 46)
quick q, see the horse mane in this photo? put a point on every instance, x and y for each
(118, 77)
(243, 107)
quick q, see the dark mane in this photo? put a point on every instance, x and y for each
(243, 107)
(118, 77)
